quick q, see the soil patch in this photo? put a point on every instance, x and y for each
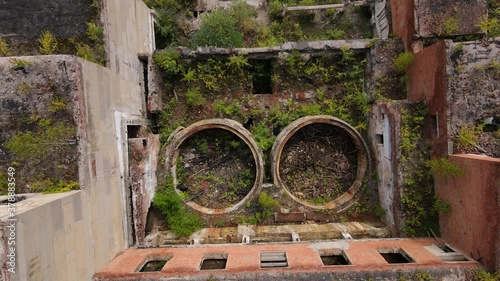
(216, 169)
(319, 163)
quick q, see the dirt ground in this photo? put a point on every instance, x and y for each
(319, 163)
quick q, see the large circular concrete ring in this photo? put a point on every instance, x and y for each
(347, 198)
(180, 135)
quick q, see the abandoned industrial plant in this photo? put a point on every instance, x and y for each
(211, 140)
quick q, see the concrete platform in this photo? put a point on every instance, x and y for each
(303, 262)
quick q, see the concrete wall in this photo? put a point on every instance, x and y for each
(128, 31)
(403, 23)
(428, 82)
(27, 19)
(383, 128)
(70, 236)
(472, 225)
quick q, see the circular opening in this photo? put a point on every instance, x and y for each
(215, 169)
(216, 165)
(320, 161)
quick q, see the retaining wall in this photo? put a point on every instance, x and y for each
(472, 224)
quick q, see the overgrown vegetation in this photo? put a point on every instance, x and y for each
(180, 220)
(219, 29)
(4, 48)
(403, 61)
(449, 26)
(443, 168)
(483, 275)
(37, 144)
(417, 200)
(48, 43)
(467, 136)
(48, 186)
(265, 209)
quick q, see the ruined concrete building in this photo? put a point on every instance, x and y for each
(249, 140)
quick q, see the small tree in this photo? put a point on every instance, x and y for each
(218, 29)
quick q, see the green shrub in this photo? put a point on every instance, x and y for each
(48, 186)
(466, 137)
(440, 205)
(229, 109)
(180, 220)
(483, 275)
(403, 61)
(263, 135)
(4, 48)
(267, 204)
(94, 32)
(245, 16)
(169, 61)
(275, 9)
(19, 63)
(490, 26)
(34, 145)
(48, 43)
(218, 29)
(194, 97)
(449, 26)
(441, 167)
(3, 184)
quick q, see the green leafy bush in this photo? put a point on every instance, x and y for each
(441, 167)
(194, 97)
(180, 220)
(48, 186)
(48, 43)
(449, 26)
(169, 61)
(30, 145)
(483, 275)
(263, 135)
(218, 29)
(490, 26)
(94, 32)
(440, 205)
(403, 61)
(4, 48)
(267, 204)
(466, 137)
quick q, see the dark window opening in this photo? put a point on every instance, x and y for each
(434, 120)
(213, 264)
(152, 266)
(273, 259)
(380, 139)
(133, 131)
(395, 255)
(145, 82)
(262, 76)
(334, 260)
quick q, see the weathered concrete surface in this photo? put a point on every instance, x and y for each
(403, 23)
(428, 82)
(27, 97)
(384, 80)
(279, 233)
(303, 260)
(72, 238)
(430, 16)
(474, 84)
(128, 32)
(143, 160)
(363, 166)
(384, 125)
(472, 224)
(26, 20)
(313, 47)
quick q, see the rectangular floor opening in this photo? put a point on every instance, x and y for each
(212, 264)
(395, 255)
(153, 266)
